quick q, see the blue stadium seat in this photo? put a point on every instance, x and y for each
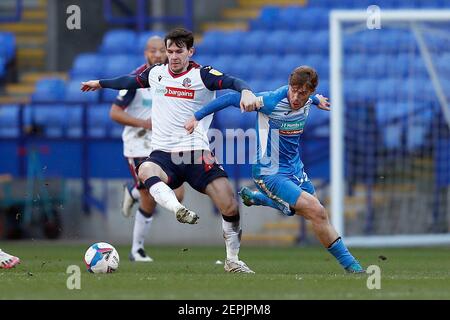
(392, 136)
(232, 43)
(49, 89)
(109, 95)
(254, 41)
(244, 66)
(115, 129)
(298, 42)
(288, 18)
(98, 120)
(318, 123)
(74, 94)
(223, 63)
(377, 66)
(7, 45)
(143, 37)
(275, 42)
(9, 121)
(274, 84)
(312, 19)
(390, 117)
(402, 64)
(137, 60)
(2, 67)
(287, 64)
(387, 89)
(324, 87)
(316, 62)
(229, 118)
(87, 65)
(210, 43)
(204, 59)
(260, 85)
(318, 43)
(349, 89)
(266, 65)
(327, 4)
(52, 118)
(361, 90)
(368, 89)
(117, 65)
(75, 125)
(354, 66)
(411, 66)
(119, 41)
(416, 135)
(267, 20)
(416, 89)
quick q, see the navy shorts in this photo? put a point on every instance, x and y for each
(198, 168)
(285, 188)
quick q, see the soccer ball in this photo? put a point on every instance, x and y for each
(101, 257)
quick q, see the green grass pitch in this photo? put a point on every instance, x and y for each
(192, 273)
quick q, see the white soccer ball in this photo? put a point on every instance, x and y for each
(101, 257)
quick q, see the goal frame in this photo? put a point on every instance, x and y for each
(337, 186)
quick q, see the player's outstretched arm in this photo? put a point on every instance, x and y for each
(265, 103)
(123, 82)
(229, 99)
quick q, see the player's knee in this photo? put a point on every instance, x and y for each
(230, 208)
(318, 213)
(146, 170)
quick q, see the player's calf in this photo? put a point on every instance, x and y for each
(309, 207)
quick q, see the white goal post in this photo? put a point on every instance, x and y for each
(414, 21)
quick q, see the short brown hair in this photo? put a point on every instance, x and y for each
(304, 75)
(181, 37)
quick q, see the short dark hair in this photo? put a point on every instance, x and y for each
(304, 75)
(181, 37)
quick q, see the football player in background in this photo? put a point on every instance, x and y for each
(133, 109)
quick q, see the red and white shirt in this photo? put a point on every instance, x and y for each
(175, 99)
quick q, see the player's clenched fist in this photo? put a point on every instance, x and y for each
(90, 85)
(249, 102)
(324, 103)
(190, 124)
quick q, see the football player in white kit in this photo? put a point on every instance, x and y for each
(133, 109)
(8, 261)
(179, 89)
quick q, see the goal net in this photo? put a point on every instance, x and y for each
(390, 126)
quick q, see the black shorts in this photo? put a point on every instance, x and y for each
(198, 168)
(133, 164)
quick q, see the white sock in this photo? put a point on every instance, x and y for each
(165, 196)
(135, 193)
(142, 225)
(232, 236)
